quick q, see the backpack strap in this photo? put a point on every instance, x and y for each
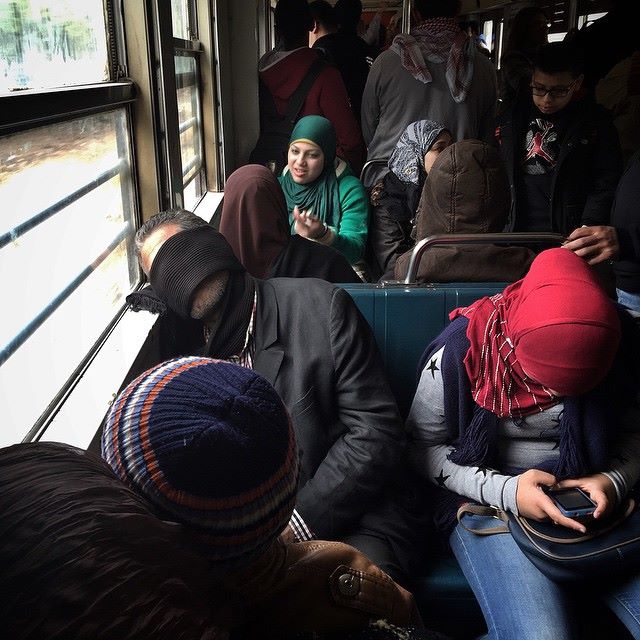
(298, 97)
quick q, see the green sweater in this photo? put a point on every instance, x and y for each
(351, 232)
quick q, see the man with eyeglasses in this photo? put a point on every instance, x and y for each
(562, 155)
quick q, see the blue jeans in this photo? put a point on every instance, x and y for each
(628, 299)
(519, 602)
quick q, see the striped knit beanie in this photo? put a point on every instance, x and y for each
(212, 446)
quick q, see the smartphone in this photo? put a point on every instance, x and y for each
(572, 503)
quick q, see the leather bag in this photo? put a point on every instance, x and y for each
(608, 548)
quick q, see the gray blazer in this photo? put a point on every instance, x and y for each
(315, 348)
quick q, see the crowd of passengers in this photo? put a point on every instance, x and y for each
(260, 481)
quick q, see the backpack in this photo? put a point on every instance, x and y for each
(275, 130)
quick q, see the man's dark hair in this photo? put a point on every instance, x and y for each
(181, 217)
(323, 13)
(293, 21)
(438, 8)
(558, 57)
(348, 14)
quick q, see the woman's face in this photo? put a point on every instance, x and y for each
(441, 143)
(305, 161)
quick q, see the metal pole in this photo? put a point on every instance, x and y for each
(406, 16)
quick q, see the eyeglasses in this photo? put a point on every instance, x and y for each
(555, 92)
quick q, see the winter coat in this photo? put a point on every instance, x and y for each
(466, 191)
(587, 170)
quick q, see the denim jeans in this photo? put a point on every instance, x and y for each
(629, 299)
(519, 602)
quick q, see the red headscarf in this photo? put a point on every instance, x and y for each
(553, 330)
(254, 218)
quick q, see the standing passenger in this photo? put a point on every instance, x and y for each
(283, 70)
(326, 202)
(338, 48)
(560, 149)
(434, 74)
(528, 30)
(255, 222)
(395, 198)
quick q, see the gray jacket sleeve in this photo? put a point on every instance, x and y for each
(429, 447)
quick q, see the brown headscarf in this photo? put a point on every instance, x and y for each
(466, 191)
(254, 218)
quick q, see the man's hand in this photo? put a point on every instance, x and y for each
(535, 504)
(594, 244)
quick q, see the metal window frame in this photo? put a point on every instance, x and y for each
(33, 108)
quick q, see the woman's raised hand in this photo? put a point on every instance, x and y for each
(534, 503)
(307, 225)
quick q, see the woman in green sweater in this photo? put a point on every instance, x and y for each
(326, 202)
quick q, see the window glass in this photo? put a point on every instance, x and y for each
(180, 19)
(66, 255)
(190, 124)
(51, 43)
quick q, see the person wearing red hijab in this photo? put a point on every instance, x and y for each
(255, 222)
(530, 388)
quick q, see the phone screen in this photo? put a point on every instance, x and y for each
(572, 499)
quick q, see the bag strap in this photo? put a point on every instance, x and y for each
(300, 94)
(483, 510)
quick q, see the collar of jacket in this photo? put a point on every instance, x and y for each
(268, 354)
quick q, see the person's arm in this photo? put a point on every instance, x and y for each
(359, 463)
(429, 447)
(604, 176)
(350, 236)
(335, 106)
(370, 110)
(386, 234)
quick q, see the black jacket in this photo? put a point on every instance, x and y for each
(318, 352)
(351, 55)
(625, 217)
(588, 166)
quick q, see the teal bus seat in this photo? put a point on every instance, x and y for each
(404, 320)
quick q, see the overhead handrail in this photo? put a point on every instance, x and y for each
(517, 237)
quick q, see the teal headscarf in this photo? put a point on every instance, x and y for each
(321, 195)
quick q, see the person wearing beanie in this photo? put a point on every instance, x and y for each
(307, 338)
(211, 446)
(83, 556)
(528, 389)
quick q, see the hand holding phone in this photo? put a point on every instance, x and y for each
(572, 502)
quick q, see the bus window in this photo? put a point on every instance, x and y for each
(68, 204)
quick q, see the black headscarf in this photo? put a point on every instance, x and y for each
(188, 258)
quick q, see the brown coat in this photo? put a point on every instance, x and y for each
(316, 586)
(466, 191)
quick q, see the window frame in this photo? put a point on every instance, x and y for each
(22, 111)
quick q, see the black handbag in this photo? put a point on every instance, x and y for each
(608, 548)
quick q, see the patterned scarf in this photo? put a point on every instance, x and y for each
(438, 40)
(407, 159)
(556, 325)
